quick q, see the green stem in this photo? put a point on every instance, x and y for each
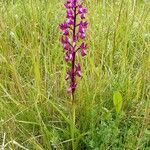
(73, 107)
(73, 122)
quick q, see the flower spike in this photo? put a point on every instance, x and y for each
(73, 35)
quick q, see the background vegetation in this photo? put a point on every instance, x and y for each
(34, 105)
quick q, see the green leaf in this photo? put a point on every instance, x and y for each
(117, 100)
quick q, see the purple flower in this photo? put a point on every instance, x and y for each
(70, 21)
(83, 49)
(74, 30)
(82, 29)
(69, 75)
(78, 70)
(72, 87)
(63, 26)
(70, 14)
(82, 11)
(65, 42)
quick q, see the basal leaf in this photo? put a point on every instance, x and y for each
(117, 100)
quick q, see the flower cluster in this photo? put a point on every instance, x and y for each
(74, 28)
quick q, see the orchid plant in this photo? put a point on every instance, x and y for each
(74, 28)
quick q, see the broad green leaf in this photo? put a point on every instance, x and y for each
(117, 100)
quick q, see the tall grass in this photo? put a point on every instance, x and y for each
(34, 105)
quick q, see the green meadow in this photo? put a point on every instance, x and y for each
(112, 100)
